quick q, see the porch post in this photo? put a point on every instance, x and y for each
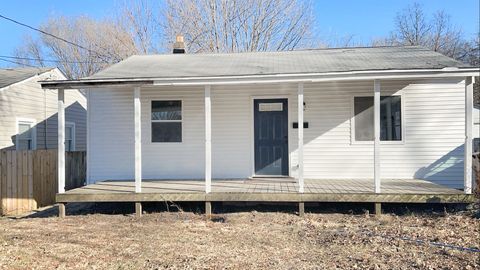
(61, 141)
(138, 140)
(300, 138)
(208, 141)
(376, 144)
(468, 134)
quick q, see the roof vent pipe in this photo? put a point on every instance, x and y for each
(179, 45)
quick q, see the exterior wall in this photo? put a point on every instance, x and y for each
(432, 149)
(27, 100)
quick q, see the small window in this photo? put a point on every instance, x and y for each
(69, 137)
(270, 107)
(25, 139)
(167, 121)
(390, 118)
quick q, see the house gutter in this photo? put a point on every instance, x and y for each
(260, 79)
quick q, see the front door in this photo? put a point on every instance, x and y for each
(271, 137)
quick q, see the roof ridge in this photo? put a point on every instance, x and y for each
(286, 51)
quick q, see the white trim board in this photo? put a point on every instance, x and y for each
(252, 131)
(270, 78)
(72, 126)
(150, 121)
(352, 120)
(33, 126)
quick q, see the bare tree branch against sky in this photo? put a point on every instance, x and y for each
(239, 25)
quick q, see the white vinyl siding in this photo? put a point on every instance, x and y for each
(432, 149)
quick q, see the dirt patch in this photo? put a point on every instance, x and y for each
(246, 240)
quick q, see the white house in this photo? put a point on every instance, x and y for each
(28, 113)
(396, 113)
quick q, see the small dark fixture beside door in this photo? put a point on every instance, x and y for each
(295, 124)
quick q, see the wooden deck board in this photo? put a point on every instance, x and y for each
(267, 186)
(268, 189)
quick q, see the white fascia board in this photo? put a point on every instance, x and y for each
(296, 78)
(275, 78)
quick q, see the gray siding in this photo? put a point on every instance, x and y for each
(28, 101)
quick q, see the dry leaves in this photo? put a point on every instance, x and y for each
(248, 240)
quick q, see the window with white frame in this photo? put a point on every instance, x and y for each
(25, 138)
(390, 118)
(69, 136)
(166, 120)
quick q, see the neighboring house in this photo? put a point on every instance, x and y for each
(235, 116)
(28, 113)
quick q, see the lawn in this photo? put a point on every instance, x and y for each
(241, 240)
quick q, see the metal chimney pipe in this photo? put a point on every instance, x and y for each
(179, 45)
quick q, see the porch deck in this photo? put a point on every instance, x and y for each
(268, 190)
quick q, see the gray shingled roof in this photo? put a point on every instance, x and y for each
(10, 76)
(271, 63)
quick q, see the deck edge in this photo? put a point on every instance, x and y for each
(266, 197)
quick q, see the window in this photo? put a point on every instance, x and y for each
(25, 139)
(167, 121)
(270, 107)
(69, 136)
(390, 118)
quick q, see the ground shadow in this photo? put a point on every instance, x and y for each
(222, 210)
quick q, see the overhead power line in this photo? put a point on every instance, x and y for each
(17, 63)
(51, 35)
(50, 60)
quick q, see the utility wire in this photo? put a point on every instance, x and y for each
(48, 34)
(18, 63)
(49, 60)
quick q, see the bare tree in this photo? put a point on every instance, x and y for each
(101, 43)
(414, 27)
(142, 19)
(239, 25)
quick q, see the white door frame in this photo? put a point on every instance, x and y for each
(252, 132)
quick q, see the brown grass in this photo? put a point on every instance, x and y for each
(248, 240)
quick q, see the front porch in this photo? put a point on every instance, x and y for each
(268, 190)
(312, 153)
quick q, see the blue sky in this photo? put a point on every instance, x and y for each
(368, 19)
(365, 19)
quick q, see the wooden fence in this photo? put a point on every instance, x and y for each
(28, 179)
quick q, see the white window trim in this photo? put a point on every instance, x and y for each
(353, 141)
(71, 125)
(33, 126)
(150, 121)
